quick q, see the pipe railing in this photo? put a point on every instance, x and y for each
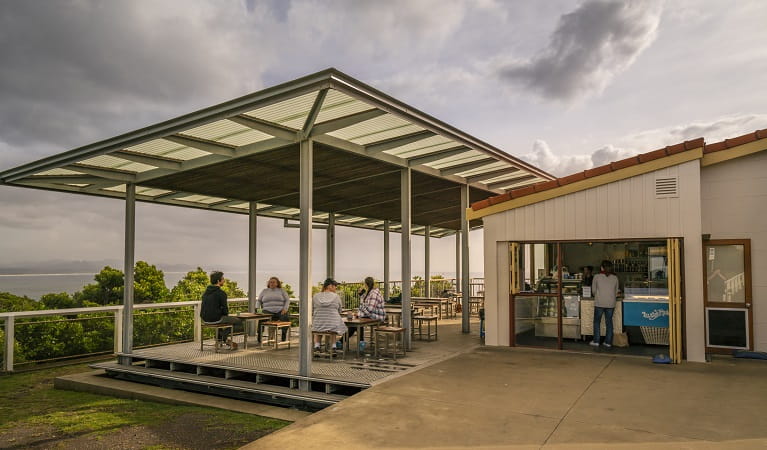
(13, 320)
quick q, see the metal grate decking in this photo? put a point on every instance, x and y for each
(284, 361)
(271, 376)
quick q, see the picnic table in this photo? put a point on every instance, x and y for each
(360, 323)
(438, 302)
(258, 318)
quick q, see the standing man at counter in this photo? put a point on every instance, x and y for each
(604, 288)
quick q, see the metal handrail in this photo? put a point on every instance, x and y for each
(9, 321)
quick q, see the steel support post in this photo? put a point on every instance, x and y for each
(331, 246)
(130, 246)
(465, 277)
(305, 265)
(252, 261)
(387, 291)
(10, 339)
(405, 192)
(426, 260)
(458, 261)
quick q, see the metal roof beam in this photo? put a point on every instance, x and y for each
(196, 163)
(314, 112)
(174, 196)
(151, 160)
(200, 144)
(226, 204)
(491, 174)
(514, 182)
(103, 173)
(389, 144)
(56, 179)
(330, 126)
(271, 128)
(438, 155)
(476, 164)
(357, 149)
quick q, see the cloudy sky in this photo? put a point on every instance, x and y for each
(565, 85)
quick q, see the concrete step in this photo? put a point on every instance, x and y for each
(257, 387)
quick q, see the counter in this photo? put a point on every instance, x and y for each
(587, 318)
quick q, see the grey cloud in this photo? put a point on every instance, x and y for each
(75, 71)
(589, 47)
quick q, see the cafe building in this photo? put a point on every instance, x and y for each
(685, 228)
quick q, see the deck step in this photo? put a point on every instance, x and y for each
(254, 389)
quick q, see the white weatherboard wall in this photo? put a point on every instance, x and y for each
(625, 209)
(734, 201)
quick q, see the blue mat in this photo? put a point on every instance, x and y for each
(749, 354)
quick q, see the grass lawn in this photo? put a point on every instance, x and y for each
(34, 414)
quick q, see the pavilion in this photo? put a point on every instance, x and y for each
(322, 149)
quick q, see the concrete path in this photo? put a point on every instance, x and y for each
(516, 398)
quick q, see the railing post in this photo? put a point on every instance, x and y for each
(9, 340)
(119, 328)
(197, 323)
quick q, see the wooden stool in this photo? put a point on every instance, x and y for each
(272, 329)
(215, 326)
(327, 348)
(418, 323)
(392, 341)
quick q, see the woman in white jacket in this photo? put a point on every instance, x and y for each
(326, 311)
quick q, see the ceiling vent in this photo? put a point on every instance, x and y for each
(667, 187)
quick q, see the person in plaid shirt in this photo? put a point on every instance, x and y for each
(371, 304)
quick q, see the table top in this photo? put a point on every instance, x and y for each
(247, 315)
(361, 320)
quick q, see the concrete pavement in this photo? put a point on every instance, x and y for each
(508, 397)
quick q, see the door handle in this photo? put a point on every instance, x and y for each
(748, 305)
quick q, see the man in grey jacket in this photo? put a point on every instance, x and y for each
(214, 308)
(604, 288)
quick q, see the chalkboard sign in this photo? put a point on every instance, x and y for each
(727, 327)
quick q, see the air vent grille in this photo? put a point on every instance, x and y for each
(666, 187)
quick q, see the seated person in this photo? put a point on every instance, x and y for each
(275, 301)
(214, 309)
(371, 304)
(326, 312)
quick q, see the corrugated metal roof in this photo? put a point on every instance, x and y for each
(110, 162)
(291, 113)
(58, 172)
(153, 159)
(377, 129)
(423, 146)
(337, 104)
(215, 131)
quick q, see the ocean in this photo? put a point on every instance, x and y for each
(36, 285)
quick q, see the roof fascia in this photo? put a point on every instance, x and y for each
(588, 183)
(734, 152)
(357, 89)
(275, 94)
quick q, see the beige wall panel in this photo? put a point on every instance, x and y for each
(734, 195)
(502, 294)
(492, 225)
